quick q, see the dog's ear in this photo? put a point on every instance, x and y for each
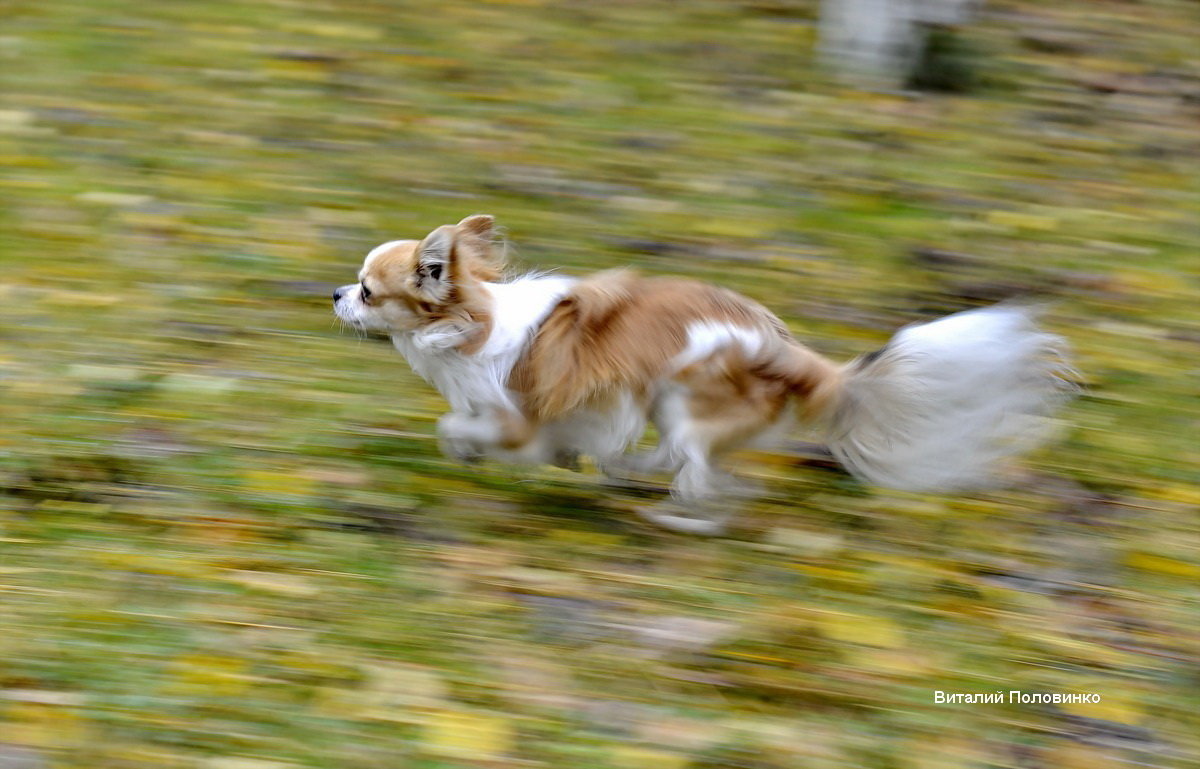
(479, 225)
(475, 243)
(436, 264)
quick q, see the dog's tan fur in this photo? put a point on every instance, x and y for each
(617, 331)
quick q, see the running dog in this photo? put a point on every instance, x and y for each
(545, 368)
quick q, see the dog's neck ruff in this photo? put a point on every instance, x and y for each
(479, 381)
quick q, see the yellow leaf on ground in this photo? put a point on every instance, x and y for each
(277, 482)
(401, 693)
(107, 198)
(468, 735)
(1162, 564)
(856, 628)
(339, 30)
(210, 675)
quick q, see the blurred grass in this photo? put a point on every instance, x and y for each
(227, 540)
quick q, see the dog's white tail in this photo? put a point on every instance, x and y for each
(944, 403)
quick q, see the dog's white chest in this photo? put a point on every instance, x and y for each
(473, 383)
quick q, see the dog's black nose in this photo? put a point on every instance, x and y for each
(337, 294)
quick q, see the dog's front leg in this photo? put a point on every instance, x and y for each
(468, 437)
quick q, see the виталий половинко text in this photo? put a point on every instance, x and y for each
(1012, 697)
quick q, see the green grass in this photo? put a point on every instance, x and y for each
(227, 540)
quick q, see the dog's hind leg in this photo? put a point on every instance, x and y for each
(709, 410)
(668, 413)
(703, 497)
(656, 460)
(671, 515)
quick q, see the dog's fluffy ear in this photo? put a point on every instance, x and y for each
(476, 243)
(436, 264)
(479, 225)
(478, 248)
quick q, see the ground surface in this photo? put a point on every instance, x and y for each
(227, 540)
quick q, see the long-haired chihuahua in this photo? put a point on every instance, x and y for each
(545, 368)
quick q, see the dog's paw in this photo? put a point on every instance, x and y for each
(460, 449)
(463, 452)
(682, 520)
(460, 439)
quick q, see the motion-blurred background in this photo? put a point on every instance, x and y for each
(227, 540)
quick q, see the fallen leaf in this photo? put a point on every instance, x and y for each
(471, 736)
(274, 582)
(856, 628)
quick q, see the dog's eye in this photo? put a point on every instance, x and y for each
(366, 292)
(435, 271)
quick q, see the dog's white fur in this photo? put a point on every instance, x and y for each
(473, 384)
(939, 407)
(945, 402)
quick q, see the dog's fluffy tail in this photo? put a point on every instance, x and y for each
(943, 404)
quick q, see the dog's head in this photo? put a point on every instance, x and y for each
(405, 285)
